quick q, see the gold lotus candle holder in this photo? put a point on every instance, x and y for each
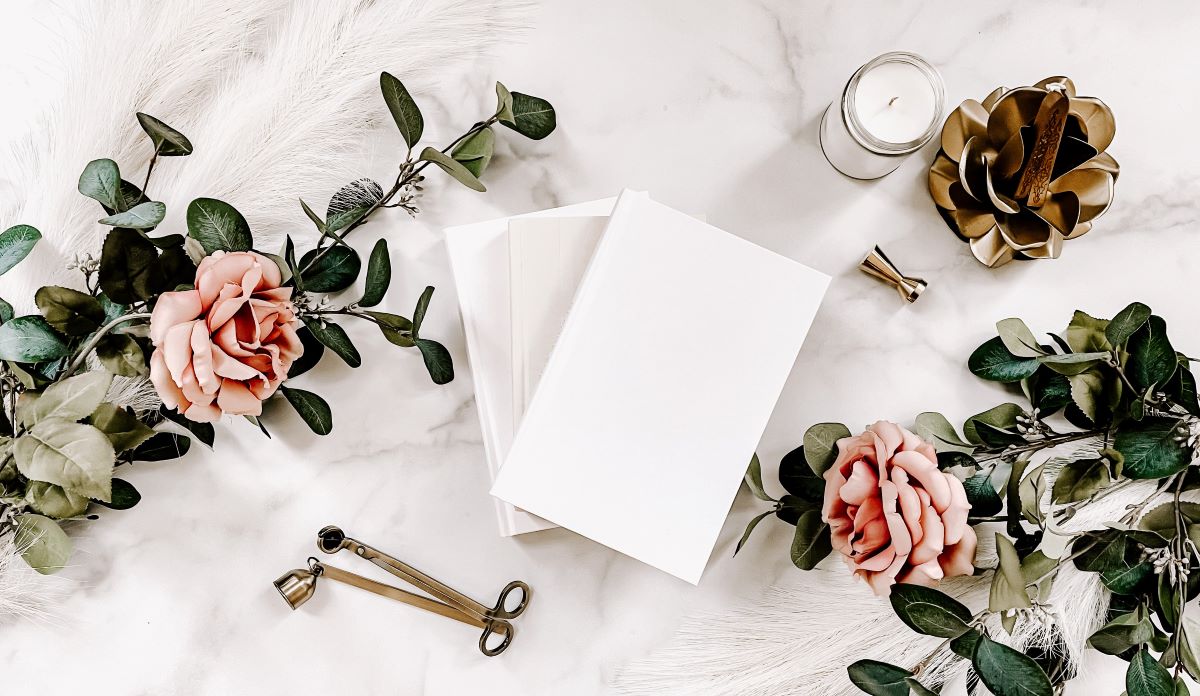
(1024, 170)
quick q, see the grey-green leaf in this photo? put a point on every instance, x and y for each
(475, 153)
(754, 480)
(532, 117)
(820, 445)
(1018, 339)
(168, 142)
(395, 328)
(993, 361)
(453, 168)
(930, 612)
(879, 678)
(15, 244)
(504, 103)
(750, 529)
(335, 338)
(218, 226)
(1080, 480)
(72, 398)
(44, 545)
(143, 216)
(404, 110)
(811, 543)
(71, 312)
(312, 409)
(1007, 672)
(122, 427)
(350, 204)
(77, 457)
(937, 431)
(101, 181)
(379, 275)
(1127, 321)
(30, 339)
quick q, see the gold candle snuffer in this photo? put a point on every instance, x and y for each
(877, 265)
(297, 586)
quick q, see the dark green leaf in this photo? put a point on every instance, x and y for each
(1000, 417)
(162, 447)
(419, 312)
(820, 445)
(313, 350)
(120, 354)
(1183, 389)
(453, 168)
(930, 612)
(951, 459)
(791, 507)
(1080, 480)
(379, 275)
(1150, 447)
(964, 645)
(1127, 321)
(475, 153)
(124, 495)
(992, 361)
(879, 678)
(1151, 360)
(312, 409)
(204, 432)
(15, 244)
(797, 477)
(937, 431)
(6, 311)
(143, 216)
(218, 226)
(168, 142)
(335, 338)
(336, 269)
(1126, 580)
(1146, 677)
(404, 110)
(1100, 552)
(395, 328)
(129, 267)
(754, 480)
(437, 360)
(120, 425)
(71, 312)
(985, 500)
(750, 529)
(532, 117)
(811, 543)
(30, 339)
(351, 203)
(101, 181)
(1049, 391)
(997, 437)
(1007, 672)
(1122, 633)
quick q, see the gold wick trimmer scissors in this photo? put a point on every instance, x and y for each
(297, 586)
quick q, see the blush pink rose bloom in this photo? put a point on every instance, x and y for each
(892, 514)
(226, 345)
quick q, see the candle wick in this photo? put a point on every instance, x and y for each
(892, 100)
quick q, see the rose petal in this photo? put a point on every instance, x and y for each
(863, 482)
(235, 399)
(954, 517)
(173, 308)
(925, 471)
(160, 377)
(960, 558)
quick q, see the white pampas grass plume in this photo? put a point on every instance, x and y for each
(25, 593)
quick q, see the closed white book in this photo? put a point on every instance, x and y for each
(674, 353)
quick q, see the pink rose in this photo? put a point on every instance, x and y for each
(892, 514)
(226, 345)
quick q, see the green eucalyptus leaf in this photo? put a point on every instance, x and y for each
(312, 409)
(930, 612)
(330, 269)
(437, 360)
(129, 267)
(750, 529)
(43, 544)
(168, 142)
(101, 181)
(1031, 491)
(1008, 584)
(1128, 579)
(77, 457)
(30, 339)
(54, 501)
(1086, 334)
(1048, 391)
(1018, 339)
(313, 351)
(1127, 321)
(335, 338)
(71, 312)
(820, 445)
(754, 480)
(1146, 677)
(964, 645)
(993, 361)
(879, 678)
(798, 478)
(1100, 552)
(6, 312)
(1152, 359)
(120, 354)
(404, 110)
(504, 104)
(143, 216)
(124, 495)
(1080, 480)
(532, 117)
(218, 226)
(936, 430)
(15, 244)
(811, 543)
(791, 507)
(983, 497)
(379, 275)
(1008, 672)
(351, 203)
(1122, 633)
(1149, 447)
(419, 312)
(204, 432)
(395, 328)
(475, 153)
(453, 168)
(161, 447)
(1001, 417)
(919, 689)
(123, 429)
(71, 399)
(1073, 363)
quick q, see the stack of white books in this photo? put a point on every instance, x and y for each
(626, 359)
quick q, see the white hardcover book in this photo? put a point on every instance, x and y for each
(479, 259)
(672, 358)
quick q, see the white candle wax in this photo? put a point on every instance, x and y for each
(890, 108)
(895, 102)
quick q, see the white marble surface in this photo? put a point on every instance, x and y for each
(712, 107)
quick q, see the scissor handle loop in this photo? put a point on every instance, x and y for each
(495, 627)
(501, 612)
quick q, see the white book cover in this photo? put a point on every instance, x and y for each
(479, 259)
(658, 390)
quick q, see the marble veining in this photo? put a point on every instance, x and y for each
(712, 107)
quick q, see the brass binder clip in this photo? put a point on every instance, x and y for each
(297, 586)
(878, 265)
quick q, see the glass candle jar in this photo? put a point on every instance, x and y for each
(889, 109)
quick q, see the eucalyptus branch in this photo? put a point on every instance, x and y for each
(103, 331)
(1045, 443)
(149, 168)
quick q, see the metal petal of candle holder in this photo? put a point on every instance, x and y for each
(1024, 170)
(879, 266)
